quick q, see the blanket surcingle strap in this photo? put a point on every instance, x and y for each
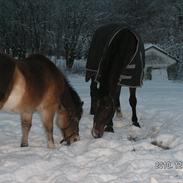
(132, 70)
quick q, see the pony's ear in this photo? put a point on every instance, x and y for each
(61, 108)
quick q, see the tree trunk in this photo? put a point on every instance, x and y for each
(69, 56)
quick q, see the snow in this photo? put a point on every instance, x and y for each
(152, 154)
(159, 74)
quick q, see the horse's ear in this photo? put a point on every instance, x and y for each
(82, 103)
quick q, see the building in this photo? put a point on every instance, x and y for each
(158, 63)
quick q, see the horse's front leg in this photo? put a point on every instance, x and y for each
(117, 103)
(109, 127)
(133, 104)
(47, 119)
(26, 123)
(94, 95)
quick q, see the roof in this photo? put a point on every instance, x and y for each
(149, 46)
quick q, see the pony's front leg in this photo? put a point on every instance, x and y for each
(26, 122)
(47, 118)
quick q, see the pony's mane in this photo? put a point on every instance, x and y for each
(73, 93)
(71, 100)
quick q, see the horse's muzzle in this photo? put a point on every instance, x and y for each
(96, 133)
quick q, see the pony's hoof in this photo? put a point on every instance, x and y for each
(51, 146)
(23, 145)
(109, 129)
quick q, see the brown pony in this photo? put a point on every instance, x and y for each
(35, 84)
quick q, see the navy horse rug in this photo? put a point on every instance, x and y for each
(116, 42)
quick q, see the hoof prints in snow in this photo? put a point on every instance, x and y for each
(165, 141)
(160, 144)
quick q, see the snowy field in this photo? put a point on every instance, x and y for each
(152, 154)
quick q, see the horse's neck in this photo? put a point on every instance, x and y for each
(109, 83)
(108, 90)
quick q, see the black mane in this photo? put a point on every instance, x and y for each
(74, 94)
(75, 98)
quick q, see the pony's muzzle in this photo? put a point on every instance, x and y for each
(74, 138)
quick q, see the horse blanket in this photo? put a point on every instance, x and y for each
(103, 41)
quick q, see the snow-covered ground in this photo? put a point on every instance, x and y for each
(152, 154)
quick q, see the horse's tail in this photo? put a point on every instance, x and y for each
(7, 68)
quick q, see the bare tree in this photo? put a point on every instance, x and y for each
(65, 27)
(75, 17)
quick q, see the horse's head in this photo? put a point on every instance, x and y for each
(72, 116)
(103, 115)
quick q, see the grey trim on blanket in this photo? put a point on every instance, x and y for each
(131, 66)
(117, 31)
(91, 70)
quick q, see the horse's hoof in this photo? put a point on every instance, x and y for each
(23, 145)
(109, 129)
(137, 124)
(92, 112)
(119, 115)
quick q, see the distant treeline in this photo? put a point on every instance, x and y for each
(65, 27)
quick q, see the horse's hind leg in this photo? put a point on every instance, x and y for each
(26, 122)
(133, 104)
(47, 118)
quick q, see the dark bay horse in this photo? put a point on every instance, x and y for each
(35, 84)
(116, 58)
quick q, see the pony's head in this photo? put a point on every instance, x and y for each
(103, 115)
(73, 107)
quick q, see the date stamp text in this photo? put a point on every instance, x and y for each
(165, 165)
